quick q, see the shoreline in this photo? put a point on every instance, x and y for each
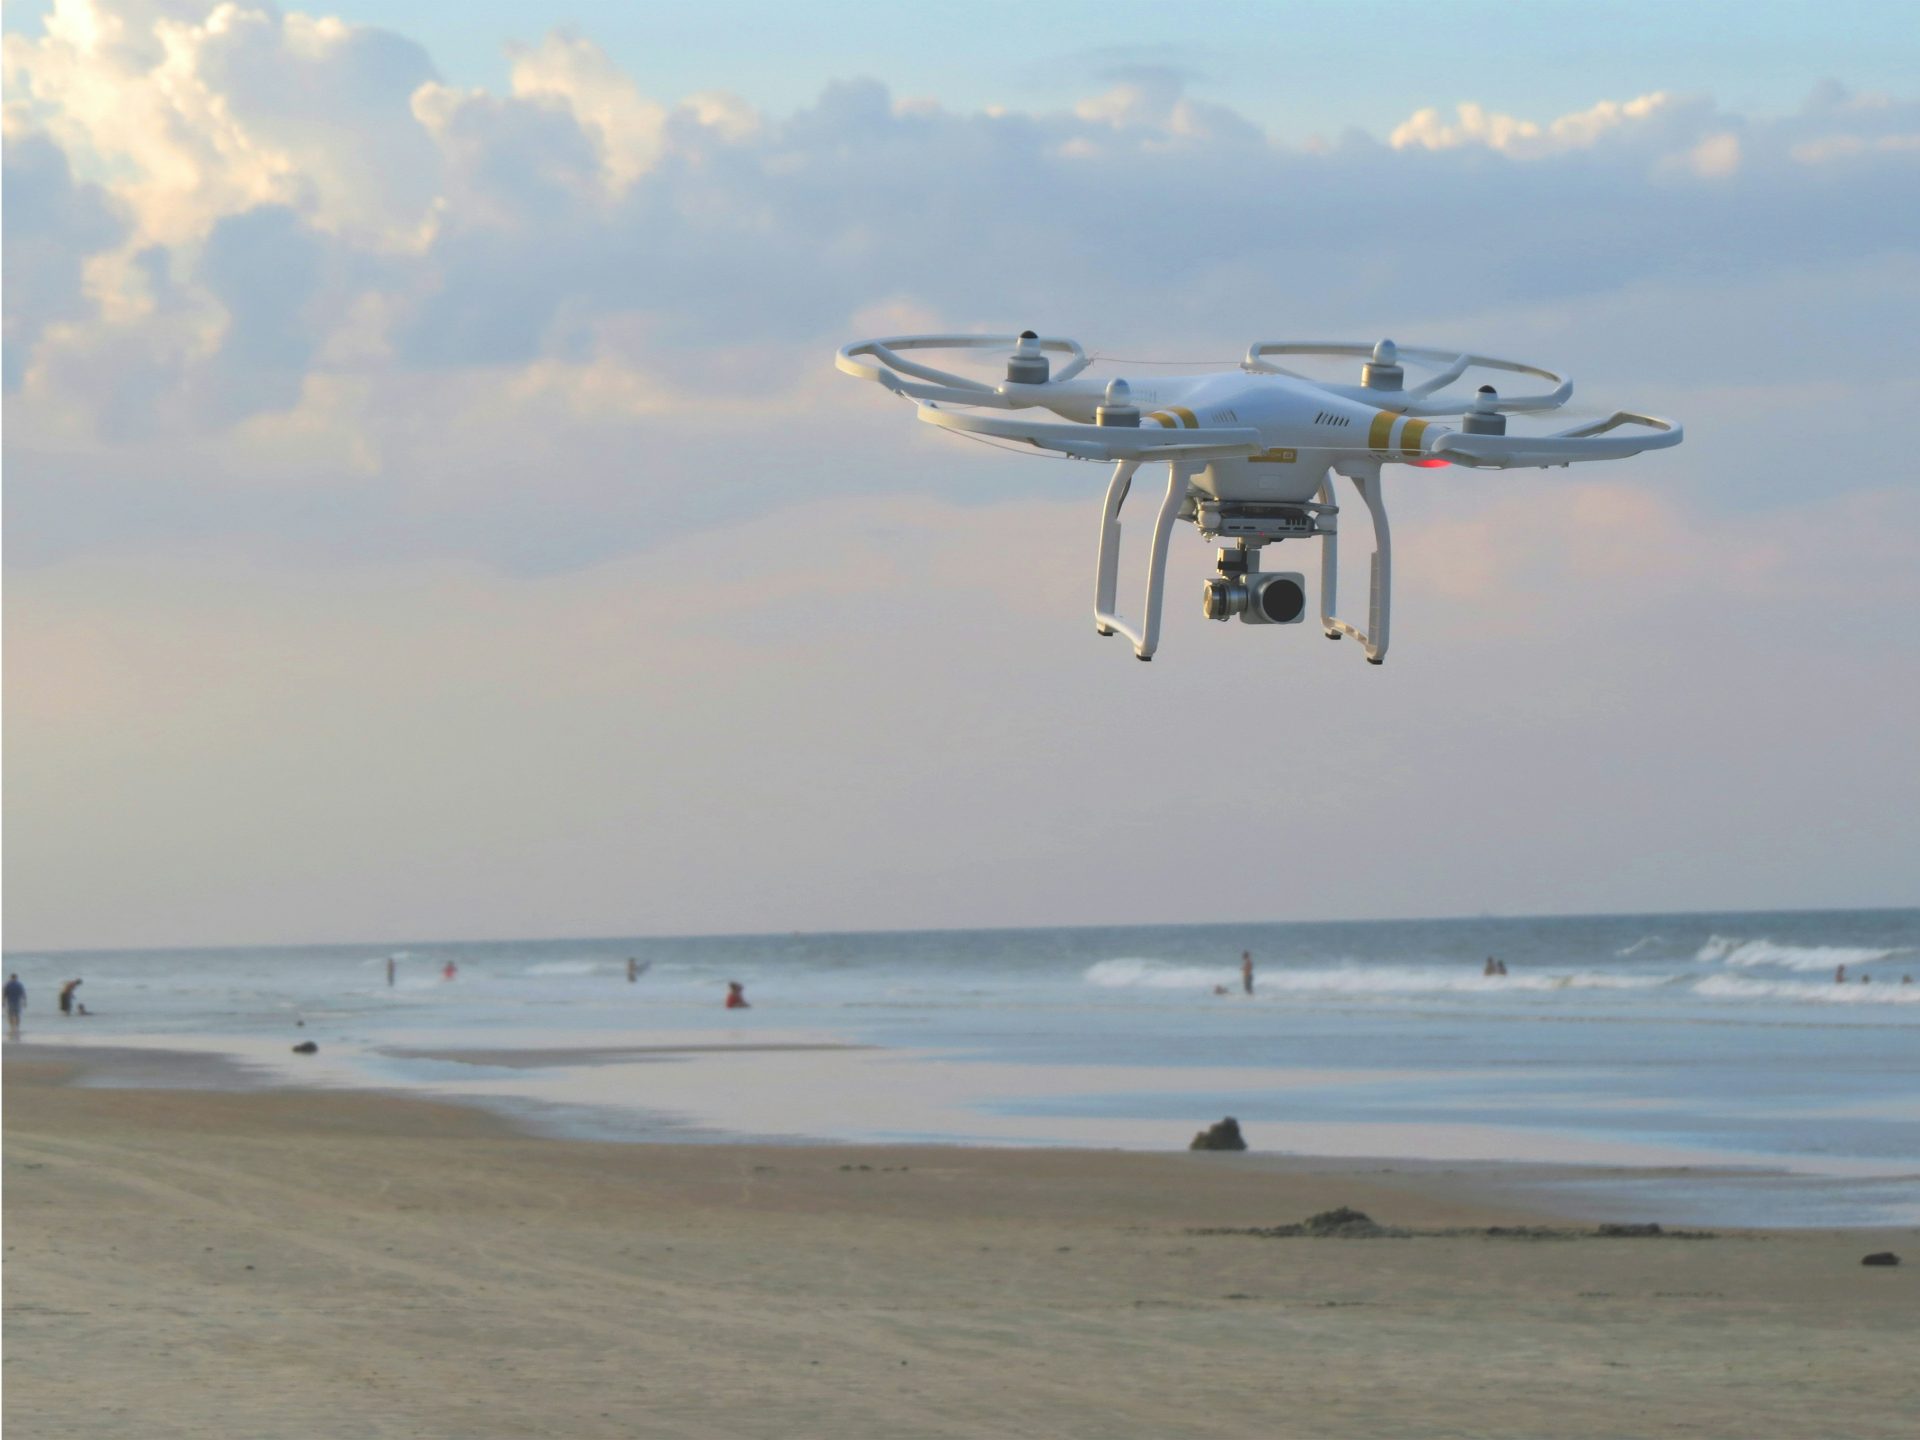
(279, 1262)
(1592, 1187)
(1541, 1191)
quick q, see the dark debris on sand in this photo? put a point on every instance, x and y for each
(1346, 1223)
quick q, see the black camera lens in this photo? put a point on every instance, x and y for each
(1282, 601)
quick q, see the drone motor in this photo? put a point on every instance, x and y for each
(1027, 365)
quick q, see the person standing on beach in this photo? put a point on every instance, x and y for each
(16, 996)
(1246, 971)
(66, 996)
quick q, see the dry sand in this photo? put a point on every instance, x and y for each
(297, 1264)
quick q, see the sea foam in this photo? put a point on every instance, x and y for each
(1357, 979)
(1731, 950)
(1808, 992)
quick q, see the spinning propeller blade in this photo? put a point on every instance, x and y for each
(1595, 441)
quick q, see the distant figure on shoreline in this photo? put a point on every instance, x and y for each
(737, 996)
(1246, 971)
(636, 968)
(1487, 969)
(449, 970)
(1839, 974)
(392, 966)
(66, 996)
(16, 996)
(1494, 967)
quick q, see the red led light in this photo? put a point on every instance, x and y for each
(1430, 464)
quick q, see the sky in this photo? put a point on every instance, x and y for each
(432, 512)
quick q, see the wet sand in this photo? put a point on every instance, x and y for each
(295, 1263)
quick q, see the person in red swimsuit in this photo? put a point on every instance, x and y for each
(737, 996)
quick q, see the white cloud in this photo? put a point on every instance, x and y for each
(1473, 124)
(208, 110)
(628, 128)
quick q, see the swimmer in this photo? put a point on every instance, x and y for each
(1246, 970)
(449, 970)
(737, 996)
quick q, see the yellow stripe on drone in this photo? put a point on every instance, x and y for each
(1187, 417)
(1166, 421)
(1381, 429)
(1410, 435)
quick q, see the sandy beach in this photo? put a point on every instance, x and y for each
(286, 1263)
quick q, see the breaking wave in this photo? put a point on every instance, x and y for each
(1355, 979)
(1156, 975)
(1731, 950)
(1642, 943)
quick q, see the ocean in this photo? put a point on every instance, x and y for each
(1709, 1064)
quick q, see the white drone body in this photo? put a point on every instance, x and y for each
(1251, 454)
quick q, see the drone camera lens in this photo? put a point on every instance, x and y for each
(1223, 599)
(1282, 600)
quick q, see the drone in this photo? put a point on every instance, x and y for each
(1251, 454)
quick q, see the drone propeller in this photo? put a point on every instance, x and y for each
(1482, 439)
(1029, 367)
(1383, 375)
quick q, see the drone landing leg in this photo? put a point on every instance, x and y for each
(1380, 588)
(1107, 576)
(1147, 637)
(1329, 558)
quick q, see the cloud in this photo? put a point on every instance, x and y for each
(1525, 139)
(213, 109)
(350, 309)
(52, 225)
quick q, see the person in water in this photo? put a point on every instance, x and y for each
(16, 996)
(1487, 969)
(392, 966)
(449, 970)
(1839, 974)
(66, 996)
(1246, 971)
(737, 996)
